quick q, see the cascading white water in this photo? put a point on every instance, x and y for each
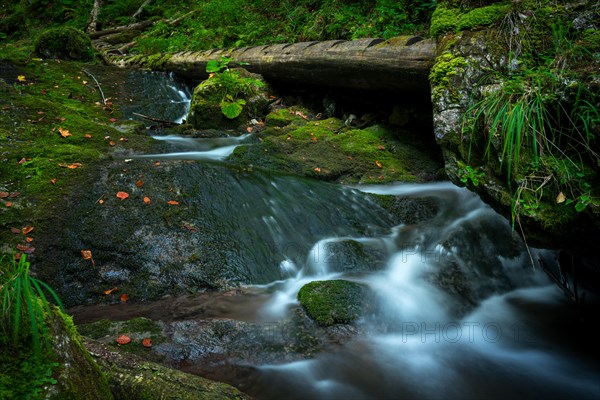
(432, 346)
(460, 311)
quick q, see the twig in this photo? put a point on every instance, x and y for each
(138, 25)
(139, 11)
(97, 84)
(178, 20)
(525, 241)
(162, 121)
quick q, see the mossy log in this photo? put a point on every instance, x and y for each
(131, 377)
(396, 64)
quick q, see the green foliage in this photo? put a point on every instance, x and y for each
(468, 174)
(232, 108)
(230, 86)
(540, 117)
(22, 377)
(24, 305)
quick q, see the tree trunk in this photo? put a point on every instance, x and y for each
(372, 64)
(93, 26)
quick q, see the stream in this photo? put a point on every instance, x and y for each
(460, 310)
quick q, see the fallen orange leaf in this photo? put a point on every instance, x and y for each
(3, 194)
(29, 239)
(123, 339)
(63, 132)
(111, 290)
(112, 143)
(173, 202)
(147, 342)
(71, 166)
(157, 163)
(318, 169)
(26, 230)
(113, 120)
(379, 164)
(8, 204)
(122, 195)
(88, 136)
(124, 297)
(101, 201)
(25, 249)
(86, 254)
(147, 200)
(15, 230)
(53, 181)
(139, 183)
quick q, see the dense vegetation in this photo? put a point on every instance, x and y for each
(217, 24)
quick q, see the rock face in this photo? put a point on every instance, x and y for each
(131, 377)
(79, 377)
(475, 65)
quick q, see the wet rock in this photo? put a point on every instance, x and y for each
(131, 377)
(334, 301)
(354, 256)
(249, 91)
(78, 375)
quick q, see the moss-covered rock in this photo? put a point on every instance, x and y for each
(335, 301)
(483, 16)
(64, 43)
(131, 377)
(479, 81)
(331, 150)
(228, 99)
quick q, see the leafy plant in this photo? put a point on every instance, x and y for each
(24, 304)
(229, 85)
(468, 174)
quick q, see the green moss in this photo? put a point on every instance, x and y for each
(35, 158)
(333, 302)
(444, 20)
(157, 61)
(65, 43)
(327, 150)
(591, 40)
(286, 116)
(79, 376)
(445, 68)
(137, 329)
(483, 16)
(230, 86)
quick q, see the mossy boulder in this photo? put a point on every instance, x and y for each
(334, 302)
(228, 99)
(476, 68)
(64, 43)
(132, 377)
(296, 142)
